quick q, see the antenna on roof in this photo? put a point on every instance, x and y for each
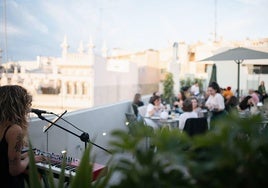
(5, 30)
(215, 21)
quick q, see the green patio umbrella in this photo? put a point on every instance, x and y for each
(213, 77)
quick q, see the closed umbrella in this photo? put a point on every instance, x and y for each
(213, 77)
(238, 55)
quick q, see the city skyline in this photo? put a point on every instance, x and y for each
(37, 27)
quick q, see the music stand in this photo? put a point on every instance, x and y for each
(46, 127)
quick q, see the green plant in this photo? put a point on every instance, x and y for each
(233, 153)
(189, 82)
(168, 88)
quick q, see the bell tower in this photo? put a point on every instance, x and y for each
(64, 46)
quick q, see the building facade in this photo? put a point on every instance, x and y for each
(84, 79)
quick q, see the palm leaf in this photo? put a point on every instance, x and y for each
(51, 178)
(83, 176)
(62, 175)
(33, 173)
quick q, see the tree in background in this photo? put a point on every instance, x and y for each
(189, 82)
(168, 84)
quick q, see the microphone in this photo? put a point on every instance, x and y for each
(39, 112)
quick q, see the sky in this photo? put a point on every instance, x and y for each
(37, 27)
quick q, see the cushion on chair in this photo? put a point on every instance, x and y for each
(194, 126)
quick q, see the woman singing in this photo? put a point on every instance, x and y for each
(15, 104)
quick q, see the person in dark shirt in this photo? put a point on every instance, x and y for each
(262, 91)
(246, 103)
(137, 102)
(231, 104)
(15, 104)
(156, 93)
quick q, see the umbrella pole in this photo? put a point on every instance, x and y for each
(238, 78)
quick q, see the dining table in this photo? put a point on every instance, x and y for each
(172, 121)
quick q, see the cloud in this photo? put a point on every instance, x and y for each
(77, 19)
(129, 23)
(250, 2)
(12, 30)
(24, 15)
(35, 23)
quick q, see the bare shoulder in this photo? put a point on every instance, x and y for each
(13, 131)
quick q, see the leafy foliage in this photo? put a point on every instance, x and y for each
(34, 178)
(189, 82)
(233, 153)
(168, 88)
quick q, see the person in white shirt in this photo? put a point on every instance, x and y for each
(188, 113)
(195, 89)
(215, 101)
(154, 108)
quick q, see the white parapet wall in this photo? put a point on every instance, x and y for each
(97, 122)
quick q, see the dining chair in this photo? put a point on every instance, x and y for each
(130, 118)
(195, 126)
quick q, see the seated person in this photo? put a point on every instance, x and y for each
(156, 93)
(255, 96)
(137, 103)
(155, 107)
(231, 103)
(196, 107)
(195, 89)
(188, 113)
(177, 105)
(248, 104)
(186, 91)
(227, 93)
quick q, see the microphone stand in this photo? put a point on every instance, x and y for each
(84, 137)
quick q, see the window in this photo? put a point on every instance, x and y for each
(260, 69)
